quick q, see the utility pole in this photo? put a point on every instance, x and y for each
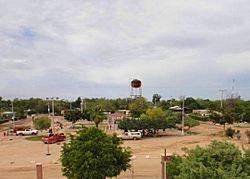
(183, 115)
(53, 107)
(221, 97)
(13, 114)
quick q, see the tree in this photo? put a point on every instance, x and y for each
(42, 123)
(72, 115)
(190, 122)
(218, 160)
(150, 122)
(154, 113)
(138, 107)
(219, 118)
(97, 116)
(93, 154)
(156, 99)
(191, 103)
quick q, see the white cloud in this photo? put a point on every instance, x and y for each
(175, 47)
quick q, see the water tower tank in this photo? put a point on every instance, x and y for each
(135, 83)
(136, 90)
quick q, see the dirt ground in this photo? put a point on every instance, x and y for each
(18, 156)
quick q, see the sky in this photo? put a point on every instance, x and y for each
(94, 48)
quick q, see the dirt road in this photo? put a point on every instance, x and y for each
(19, 156)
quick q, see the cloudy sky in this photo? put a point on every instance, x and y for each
(94, 48)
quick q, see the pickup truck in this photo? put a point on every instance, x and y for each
(53, 138)
(130, 135)
(27, 132)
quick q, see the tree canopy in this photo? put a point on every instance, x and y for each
(218, 160)
(72, 115)
(138, 107)
(156, 99)
(42, 123)
(93, 154)
(97, 116)
(151, 121)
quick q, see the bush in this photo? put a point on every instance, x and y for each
(198, 117)
(230, 132)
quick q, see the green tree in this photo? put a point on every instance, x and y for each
(97, 116)
(190, 122)
(150, 122)
(156, 99)
(72, 115)
(95, 155)
(42, 123)
(218, 160)
(138, 107)
(219, 118)
(154, 113)
(191, 103)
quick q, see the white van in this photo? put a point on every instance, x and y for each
(131, 135)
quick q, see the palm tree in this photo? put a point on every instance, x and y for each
(97, 116)
(156, 99)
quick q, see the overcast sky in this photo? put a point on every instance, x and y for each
(71, 48)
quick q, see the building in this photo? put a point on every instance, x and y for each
(202, 112)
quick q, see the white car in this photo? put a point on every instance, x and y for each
(27, 132)
(130, 135)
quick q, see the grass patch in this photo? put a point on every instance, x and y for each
(35, 138)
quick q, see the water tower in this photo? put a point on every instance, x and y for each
(136, 90)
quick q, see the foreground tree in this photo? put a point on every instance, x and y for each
(93, 154)
(42, 123)
(218, 160)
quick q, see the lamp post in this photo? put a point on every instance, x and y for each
(53, 109)
(47, 99)
(132, 166)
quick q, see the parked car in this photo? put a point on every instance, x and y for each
(53, 138)
(27, 132)
(130, 135)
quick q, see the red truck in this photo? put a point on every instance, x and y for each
(54, 138)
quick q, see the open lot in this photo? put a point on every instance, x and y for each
(19, 156)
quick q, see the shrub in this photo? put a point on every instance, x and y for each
(199, 118)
